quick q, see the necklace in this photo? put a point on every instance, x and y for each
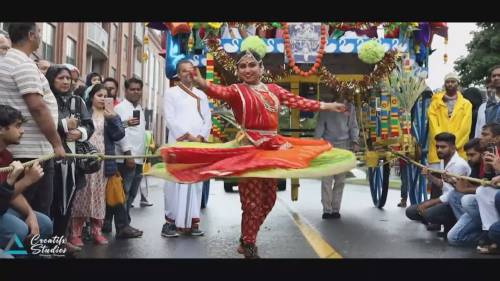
(258, 89)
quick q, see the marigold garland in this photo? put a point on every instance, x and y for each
(381, 69)
(319, 54)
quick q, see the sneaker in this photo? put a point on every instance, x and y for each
(169, 230)
(146, 204)
(484, 240)
(335, 215)
(128, 232)
(402, 203)
(196, 232)
(100, 240)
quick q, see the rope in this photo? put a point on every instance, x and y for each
(99, 156)
(478, 181)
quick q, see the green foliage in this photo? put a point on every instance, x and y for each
(484, 52)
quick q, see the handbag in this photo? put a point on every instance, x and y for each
(114, 190)
(86, 165)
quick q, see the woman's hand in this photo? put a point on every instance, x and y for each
(109, 113)
(73, 135)
(198, 79)
(71, 123)
(333, 106)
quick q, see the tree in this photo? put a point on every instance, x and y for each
(484, 52)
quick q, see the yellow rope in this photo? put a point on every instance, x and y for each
(479, 181)
(99, 156)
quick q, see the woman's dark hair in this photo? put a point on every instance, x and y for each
(9, 115)
(52, 73)
(90, 76)
(446, 137)
(257, 57)
(474, 144)
(19, 31)
(96, 88)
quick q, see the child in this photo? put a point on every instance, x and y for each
(16, 215)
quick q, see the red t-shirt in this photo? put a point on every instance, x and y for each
(5, 160)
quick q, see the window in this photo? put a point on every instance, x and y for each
(48, 41)
(125, 46)
(114, 43)
(113, 72)
(70, 51)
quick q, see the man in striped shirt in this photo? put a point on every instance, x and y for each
(25, 88)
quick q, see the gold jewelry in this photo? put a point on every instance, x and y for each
(261, 87)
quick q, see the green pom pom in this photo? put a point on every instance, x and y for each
(254, 43)
(371, 52)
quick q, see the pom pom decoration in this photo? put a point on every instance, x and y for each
(371, 52)
(254, 43)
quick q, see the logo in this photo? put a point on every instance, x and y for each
(19, 244)
(54, 246)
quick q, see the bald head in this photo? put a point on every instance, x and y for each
(4, 44)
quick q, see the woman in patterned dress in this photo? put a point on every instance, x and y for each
(90, 201)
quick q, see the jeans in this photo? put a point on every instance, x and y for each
(438, 214)
(13, 223)
(41, 193)
(494, 231)
(467, 230)
(455, 201)
(131, 181)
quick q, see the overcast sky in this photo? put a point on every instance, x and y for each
(458, 36)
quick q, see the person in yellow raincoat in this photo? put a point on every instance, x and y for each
(448, 112)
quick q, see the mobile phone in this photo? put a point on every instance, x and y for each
(492, 148)
(137, 114)
(108, 103)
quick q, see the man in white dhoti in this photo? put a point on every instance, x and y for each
(188, 118)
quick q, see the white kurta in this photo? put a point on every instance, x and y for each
(183, 201)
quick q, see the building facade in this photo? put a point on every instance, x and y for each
(114, 49)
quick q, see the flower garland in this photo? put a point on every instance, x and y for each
(381, 70)
(319, 54)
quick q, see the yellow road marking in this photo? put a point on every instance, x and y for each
(313, 237)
